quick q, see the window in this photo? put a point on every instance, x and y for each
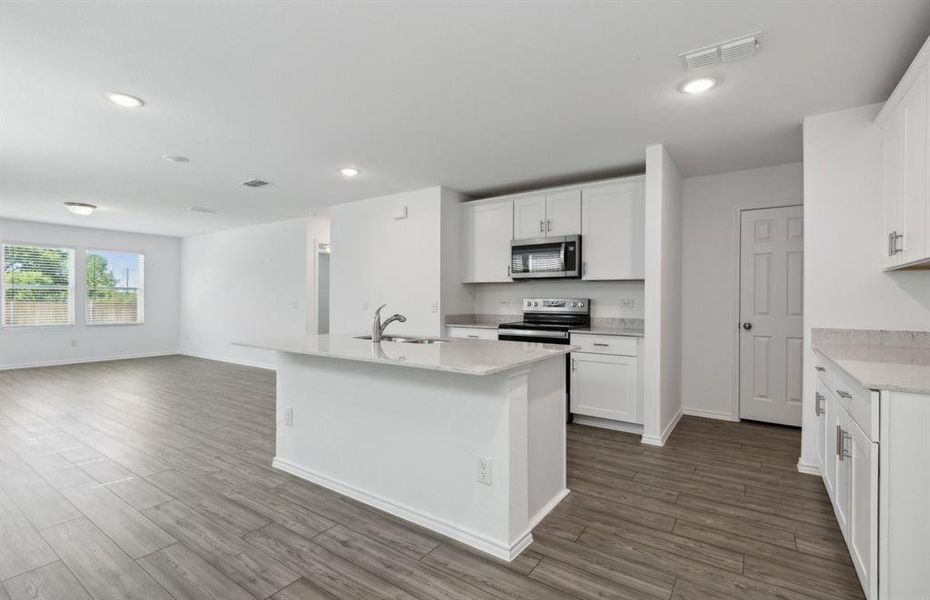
(38, 285)
(114, 287)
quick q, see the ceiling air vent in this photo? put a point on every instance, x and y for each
(726, 51)
(254, 183)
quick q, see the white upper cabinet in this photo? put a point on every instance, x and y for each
(529, 217)
(545, 215)
(905, 123)
(609, 216)
(486, 232)
(563, 213)
(613, 223)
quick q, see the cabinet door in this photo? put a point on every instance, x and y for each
(863, 507)
(613, 228)
(820, 401)
(487, 228)
(841, 491)
(831, 406)
(604, 386)
(913, 245)
(893, 193)
(529, 217)
(563, 213)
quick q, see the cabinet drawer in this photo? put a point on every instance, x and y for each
(475, 333)
(605, 344)
(855, 399)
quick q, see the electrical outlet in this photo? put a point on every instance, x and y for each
(626, 303)
(484, 471)
(294, 303)
(435, 307)
(288, 416)
(365, 305)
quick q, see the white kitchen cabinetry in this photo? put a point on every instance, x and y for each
(605, 381)
(487, 226)
(474, 333)
(875, 463)
(544, 215)
(529, 217)
(613, 224)
(609, 215)
(905, 123)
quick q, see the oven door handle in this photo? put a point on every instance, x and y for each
(561, 335)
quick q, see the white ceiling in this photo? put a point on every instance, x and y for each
(477, 96)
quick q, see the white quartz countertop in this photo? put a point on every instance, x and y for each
(465, 356)
(890, 368)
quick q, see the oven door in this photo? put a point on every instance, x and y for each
(546, 257)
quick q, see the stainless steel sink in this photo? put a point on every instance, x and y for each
(404, 339)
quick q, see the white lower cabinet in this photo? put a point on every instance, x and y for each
(874, 457)
(474, 333)
(605, 381)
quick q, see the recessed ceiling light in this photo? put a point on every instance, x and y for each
(202, 209)
(176, 158)
(79, 208)
(698, 86)
(124, 100)
(349, 171)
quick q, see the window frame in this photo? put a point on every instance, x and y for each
(140, 291)
(71, 288)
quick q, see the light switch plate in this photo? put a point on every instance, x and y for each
(626, 303)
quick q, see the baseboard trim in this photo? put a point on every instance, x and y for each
(607, 424)
(471, 538)
(80, 361)
(226, 359)
(808, 468)
(660, 440)
(545, 510)
(709, 414)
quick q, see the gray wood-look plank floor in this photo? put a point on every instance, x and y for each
(151, 479)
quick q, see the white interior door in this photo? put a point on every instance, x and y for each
(771, 319)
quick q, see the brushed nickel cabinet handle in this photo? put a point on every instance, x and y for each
(891, 243)
(843, 394)
(470, 335)
(548, 225)
(839, 442)
(844, 453)
(818, 407)
(820, 369)
(600, 344)
(542, 227)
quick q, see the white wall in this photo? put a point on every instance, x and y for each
(710, 279)
(30, 346)
(662, 341)
(245, 284)
(844, 285)
(379, 260)
(505, 298)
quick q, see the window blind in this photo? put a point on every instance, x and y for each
(38, 285)
(114, 287)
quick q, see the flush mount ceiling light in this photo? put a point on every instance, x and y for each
(176, 158)
(124, 100)
(349, 171)
(698, 86)
(79, 208)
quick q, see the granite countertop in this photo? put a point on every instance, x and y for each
(879, 360)
(465, 356)
(607, 329)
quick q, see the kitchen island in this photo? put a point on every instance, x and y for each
(463, 437)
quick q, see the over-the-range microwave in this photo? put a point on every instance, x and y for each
(557, 256)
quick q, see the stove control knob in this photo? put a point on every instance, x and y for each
(573, 304)
(580, 304)
(536, 304)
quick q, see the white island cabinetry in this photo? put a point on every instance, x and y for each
(463, 437)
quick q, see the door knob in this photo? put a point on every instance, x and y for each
(747, 325)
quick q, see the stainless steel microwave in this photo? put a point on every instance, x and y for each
(550, 257)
